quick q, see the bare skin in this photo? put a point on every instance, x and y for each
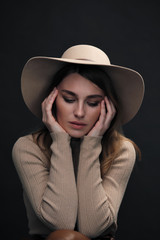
(103, 119)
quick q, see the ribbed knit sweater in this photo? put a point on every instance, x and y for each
(55, 200)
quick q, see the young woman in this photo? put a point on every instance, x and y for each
(75, 170)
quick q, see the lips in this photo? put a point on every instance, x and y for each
(77, 125)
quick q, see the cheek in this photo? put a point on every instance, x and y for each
(94, 114)
(62, 109)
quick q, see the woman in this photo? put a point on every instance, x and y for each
(75, 170)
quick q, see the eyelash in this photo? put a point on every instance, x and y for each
(91, 104)
(68, 100)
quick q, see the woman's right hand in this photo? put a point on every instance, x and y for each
(47, 115)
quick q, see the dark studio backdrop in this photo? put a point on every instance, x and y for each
(129, 32)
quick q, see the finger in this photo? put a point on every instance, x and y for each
(110, 112)
(47, 116)
(107, 103)
(102, 113)
(51, 98)
(110, 107)
(48, 102)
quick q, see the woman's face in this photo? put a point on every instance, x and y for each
(78, 104)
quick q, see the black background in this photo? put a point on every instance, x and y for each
(129, 32)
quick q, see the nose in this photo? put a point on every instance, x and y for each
(79, 110)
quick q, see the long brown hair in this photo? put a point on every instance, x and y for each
(113, 137)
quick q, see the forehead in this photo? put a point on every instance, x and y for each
(77, 83)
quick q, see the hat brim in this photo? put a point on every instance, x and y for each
(38, 74)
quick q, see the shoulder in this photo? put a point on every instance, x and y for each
(25, 149)
(23, 142)
(128, 147)
(127, 154)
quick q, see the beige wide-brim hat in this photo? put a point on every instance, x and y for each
(38, 75)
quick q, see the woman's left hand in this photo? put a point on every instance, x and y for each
(105, 118)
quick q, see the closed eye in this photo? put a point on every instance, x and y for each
(93, 104)
(68, 100)
(89, 102)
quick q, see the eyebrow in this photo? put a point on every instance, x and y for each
(89, 96)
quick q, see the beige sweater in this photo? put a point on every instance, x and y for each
(52, 198)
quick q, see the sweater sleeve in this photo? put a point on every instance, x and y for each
(51, 191)
(100, 199)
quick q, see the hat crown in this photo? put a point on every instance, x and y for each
(38, 75)
(88, 53)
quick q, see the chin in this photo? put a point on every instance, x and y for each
(76, 134)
